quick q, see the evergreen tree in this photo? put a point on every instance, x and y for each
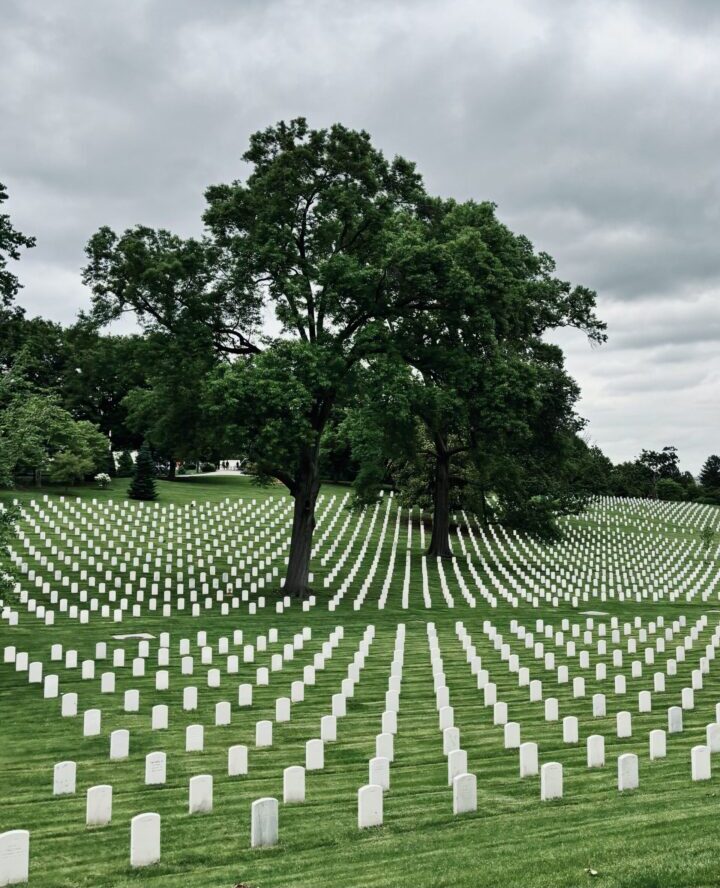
(125, 466)
(142, 486)
(710, 473)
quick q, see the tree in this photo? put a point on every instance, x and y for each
(661, 464)
(708, 535)
(99, 373)
(142, 486)
(38, 436)
(169, 410)
(125, 465)
(11, 243)
(710, 474)
(476, 355)
(669, 489)
(9, 517)
(314, 235)
(631, 478)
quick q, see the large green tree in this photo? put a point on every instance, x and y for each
(314, 237)
(476, 357)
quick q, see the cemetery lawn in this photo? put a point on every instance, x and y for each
(664, 835)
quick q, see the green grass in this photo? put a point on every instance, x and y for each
(665, 834)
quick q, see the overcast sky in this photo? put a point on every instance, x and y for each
(595, 127)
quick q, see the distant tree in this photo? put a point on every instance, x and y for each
(632, 478)
(99, 372)
(125, 465)
(689, 485)
(142, 486)
(669, 489)
(589, 471)
(661, 464)
(11, 242)
(169, 410)
(710, 473)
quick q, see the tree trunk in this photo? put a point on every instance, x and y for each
(171, 469)
(483, 507)
(440, 540)
(307, 486)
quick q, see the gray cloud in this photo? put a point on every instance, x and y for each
(592, 125)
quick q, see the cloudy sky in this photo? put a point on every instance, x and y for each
(595, 127)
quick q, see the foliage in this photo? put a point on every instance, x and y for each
(103, 480)
(661, 464)
(169, 410)
(669, 489)
(125, 465)
(142, 486)
(316, 235)
(38, 436)
(710, 476)
(9, 517)
(708, 536)
(11, 243)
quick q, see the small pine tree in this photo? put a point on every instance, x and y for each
(125, 466)
(142, 486)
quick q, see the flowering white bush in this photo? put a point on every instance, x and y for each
(103, 480)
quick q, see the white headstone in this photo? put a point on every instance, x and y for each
(263, 733)
(623, 725)
(194, 738)
(201, 794)
(68, 705)
(294, 784)
(464, 794)
(675, 720)
(144, 840)
(91, 723)
(370, 806)
(264, 823)
(237, 760)
(658, 745)
(314, 755)
(551, 781)
(14, 857)
(700, 763)
(155, 766)
(159, 717)
(64, 774)
(328, 729)
(119, 744)
(379, 772)
(98, 811)
(528, 759)
(456, 764)
(385, 746)
(628, 772)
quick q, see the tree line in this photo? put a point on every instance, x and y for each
(406, 349)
